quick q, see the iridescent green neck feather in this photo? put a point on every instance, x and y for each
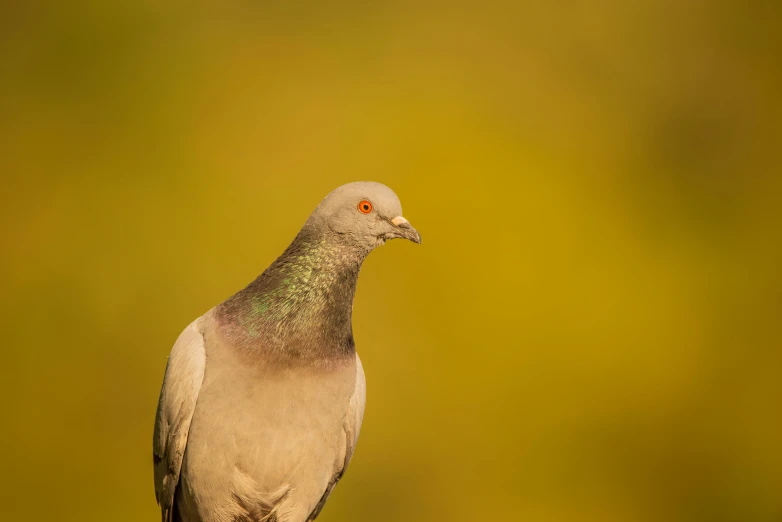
(299, 309)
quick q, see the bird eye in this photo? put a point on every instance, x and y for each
(365, 206)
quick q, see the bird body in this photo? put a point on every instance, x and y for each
(263, 396)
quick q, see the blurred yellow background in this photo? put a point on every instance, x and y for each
(590, 330)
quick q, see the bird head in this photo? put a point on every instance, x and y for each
(365, 214)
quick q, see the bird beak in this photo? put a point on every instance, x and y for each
(404, 230)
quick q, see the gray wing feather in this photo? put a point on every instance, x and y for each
(184, 375)
(353, 422)
(356, 412)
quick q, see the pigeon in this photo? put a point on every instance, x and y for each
(263, 395)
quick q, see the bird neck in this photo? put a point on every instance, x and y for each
(300, 308)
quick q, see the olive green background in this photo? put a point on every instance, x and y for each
(590, 330)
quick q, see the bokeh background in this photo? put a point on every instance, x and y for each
(589, 332)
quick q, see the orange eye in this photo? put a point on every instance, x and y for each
(365, 206)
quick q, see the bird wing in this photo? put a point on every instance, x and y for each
(355, 413)
(352, 428)
(184, 375)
